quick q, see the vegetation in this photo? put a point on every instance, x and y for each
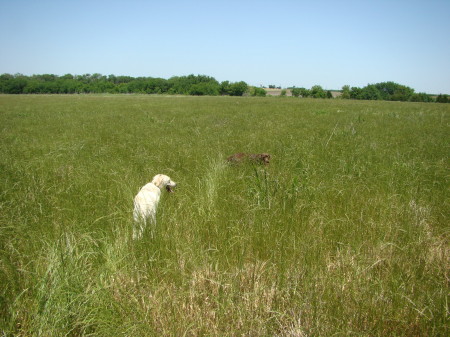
(302, 92)
(96, 83)
(345, 233)
(317, 92)
(295, 92)
(345, 92)
(388, 91)
(255, 91)
(442, 99)
(273, 86)
(197, 85)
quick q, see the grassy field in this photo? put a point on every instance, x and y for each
(345, 233)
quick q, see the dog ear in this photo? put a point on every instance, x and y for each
(164, 180)
(157, 180)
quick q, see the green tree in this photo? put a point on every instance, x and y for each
(156, 85)
(345, 92)
(254, 91)
(370, 92)
(391, 91)
(16, 84)
(4, 79)
(355, 93)
(304, 92)
(182, 85)
(224, 88)
(204, 88)
(238, 88)
(420, 97)
(317, 92)
(442, 99)
(295, 92)
(67, 77)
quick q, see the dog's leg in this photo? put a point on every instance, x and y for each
(152, 222)
(138, 229)
(138, 222)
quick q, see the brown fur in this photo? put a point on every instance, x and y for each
(255, 158)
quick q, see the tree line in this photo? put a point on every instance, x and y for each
(193, 85)
(386, 91)
(97, 83)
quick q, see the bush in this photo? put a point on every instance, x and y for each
(345, 92)
(318, 92)
(371, 92)
(238, 88)
(204, 88)
(224, 88)
(260, 92)
(15, 85)
(421, 97)
(442, 99)
(295, 92)
(305, 92)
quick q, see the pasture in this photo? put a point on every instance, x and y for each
(345, 233)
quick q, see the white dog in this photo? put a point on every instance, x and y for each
(146, 203)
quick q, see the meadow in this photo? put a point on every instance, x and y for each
(345, 233)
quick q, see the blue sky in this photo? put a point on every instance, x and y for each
(285, 43)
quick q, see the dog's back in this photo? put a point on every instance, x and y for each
(146, 201)
(145, 205)
(237, 158)
(255, 158)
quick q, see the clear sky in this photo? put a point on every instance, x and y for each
(284, 42)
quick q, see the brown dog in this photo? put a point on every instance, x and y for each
(255, 158)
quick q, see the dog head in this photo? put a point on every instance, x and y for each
(163, 181)
(264, 158)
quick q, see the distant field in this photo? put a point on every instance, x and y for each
(345, 233)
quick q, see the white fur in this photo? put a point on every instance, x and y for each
(146, 203)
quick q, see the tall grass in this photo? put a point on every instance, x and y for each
(344, 233)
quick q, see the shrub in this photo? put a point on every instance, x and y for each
(421, 97)
(204, 88)
(318, 92)
(305, 92)
(295, 92)
(260, 92)
(442, 99)
(345, 92)
(238, 88)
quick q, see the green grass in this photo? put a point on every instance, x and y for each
(345, 233)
